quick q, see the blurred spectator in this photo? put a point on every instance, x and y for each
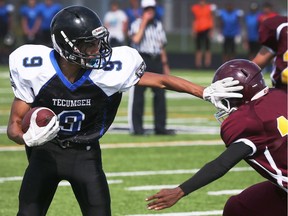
(6, 36)
(160, 11)
(252, 26)
(267, 12)
(47, 11)
(229, 21)
(134, 11)
(202, 26)
(149, 38)
(116, 22)
(30, 21)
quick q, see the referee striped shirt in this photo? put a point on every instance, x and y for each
(153, 40)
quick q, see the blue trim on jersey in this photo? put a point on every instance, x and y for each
(68, 84)
(102, 131)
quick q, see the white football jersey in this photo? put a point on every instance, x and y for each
(31, 66)
(85, 108)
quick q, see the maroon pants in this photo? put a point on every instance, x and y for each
(263, 199)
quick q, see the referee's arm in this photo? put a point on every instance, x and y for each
(137, 37)
(164, 60)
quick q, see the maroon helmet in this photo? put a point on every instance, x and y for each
(249, 76)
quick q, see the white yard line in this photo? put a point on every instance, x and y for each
(196, 213)
(141, 173)
(163, 144)
(62, 183)
(224, 192)
(116, 181)
(8, 179)
(170, 172)
(149, 187)
(4, 75)
(136, 145)
(122, 128)
(160, 187)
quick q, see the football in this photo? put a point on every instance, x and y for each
(43, 117)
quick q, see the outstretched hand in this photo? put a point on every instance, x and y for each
(165, 198)
(222, 89)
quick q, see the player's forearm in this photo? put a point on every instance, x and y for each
(217, 168)
(206, 175)
(14, 132)
(263, 57)
(171, 83)
(164, 58)
(181, 85)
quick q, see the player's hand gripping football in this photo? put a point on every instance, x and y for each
(36, 135)
(165, 198)
(221, 89)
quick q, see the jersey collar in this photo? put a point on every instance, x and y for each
(72, 86)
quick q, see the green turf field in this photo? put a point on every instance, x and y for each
(136, 167)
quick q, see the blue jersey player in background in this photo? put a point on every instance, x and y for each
(48, 9)
(81, 79)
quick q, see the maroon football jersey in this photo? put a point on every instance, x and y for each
(262, 124)
(273, 34)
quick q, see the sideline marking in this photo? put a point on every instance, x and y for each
(196, 213)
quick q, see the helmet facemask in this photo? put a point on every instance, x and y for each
(222, 114)
(74, 49)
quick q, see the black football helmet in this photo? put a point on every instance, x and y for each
(76, 27)
(249, 76)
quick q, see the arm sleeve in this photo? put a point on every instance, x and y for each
(217, 168)
(267, 35)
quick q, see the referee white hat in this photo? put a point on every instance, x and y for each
(148, 3)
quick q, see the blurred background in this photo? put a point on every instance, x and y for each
(177, 18)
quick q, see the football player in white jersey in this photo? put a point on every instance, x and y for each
(81, 79)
